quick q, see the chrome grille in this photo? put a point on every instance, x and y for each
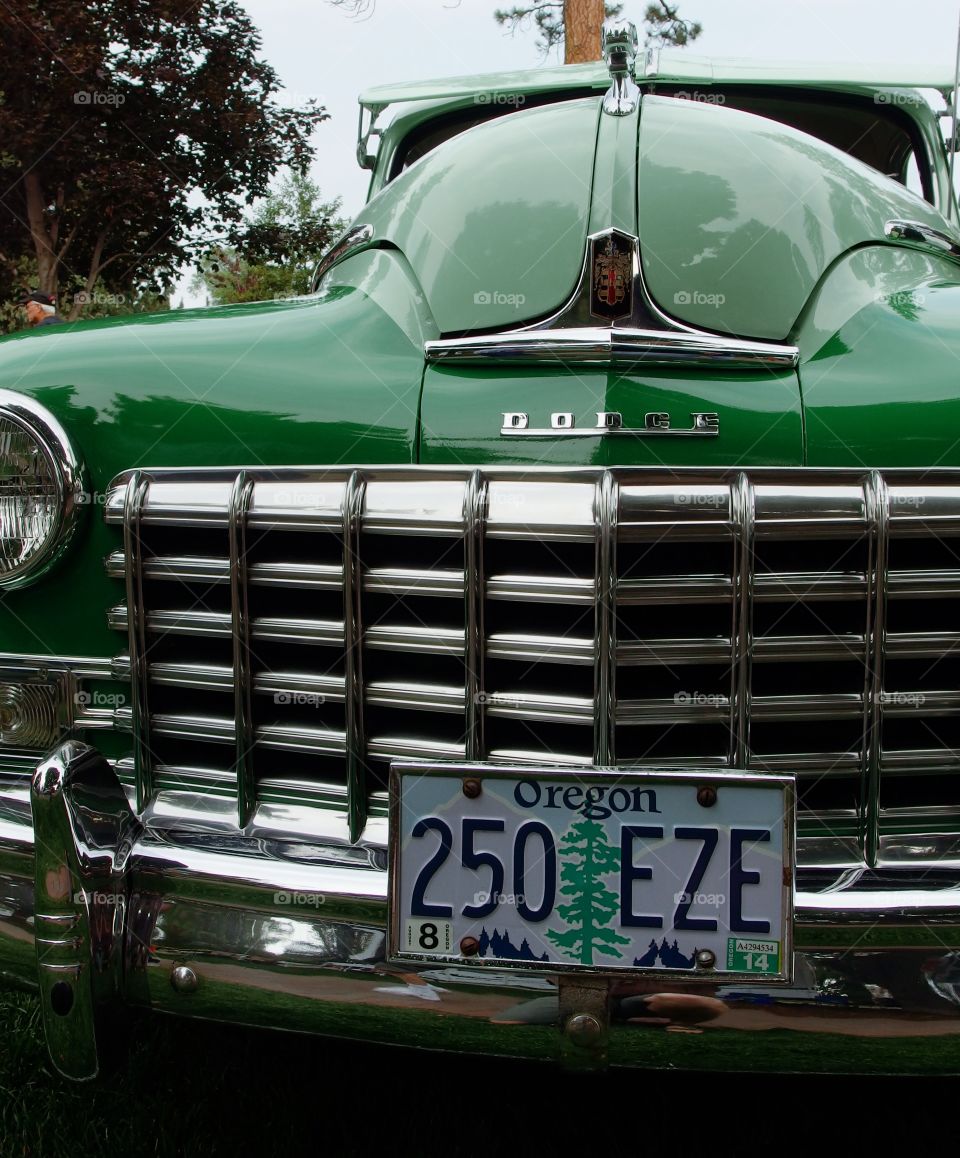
(290, 632)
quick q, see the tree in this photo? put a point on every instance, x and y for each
(114, 116)
(273, 252)
(587, 857)
(664, 26)
(576, 25)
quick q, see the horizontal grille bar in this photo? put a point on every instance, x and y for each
(570, 589)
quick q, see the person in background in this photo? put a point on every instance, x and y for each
(41, 309)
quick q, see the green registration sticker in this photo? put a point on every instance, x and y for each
(746, 955)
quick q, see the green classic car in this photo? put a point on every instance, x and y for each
(544, 635)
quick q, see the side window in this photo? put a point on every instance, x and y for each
(911, 175)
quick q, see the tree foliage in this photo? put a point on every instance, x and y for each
(272, 253)
(125, 127)
(664, 26)
(549, 19)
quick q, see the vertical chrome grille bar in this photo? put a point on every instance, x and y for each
(605, 621)
(742, 512)
(474, 520)
(133, 502)
(877, 503)
(352, 513)
(240, 498)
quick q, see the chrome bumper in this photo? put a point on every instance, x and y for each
(101, 912)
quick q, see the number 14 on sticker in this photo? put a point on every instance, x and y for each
(429, 936)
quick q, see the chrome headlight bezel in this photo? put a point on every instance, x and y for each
(66, 470)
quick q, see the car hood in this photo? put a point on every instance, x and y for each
(493, 221)
(738, 216)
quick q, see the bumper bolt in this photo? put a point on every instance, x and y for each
(472, 789)
(584, 1030)
(183, 979)
(706, 959)
(706, 796)
(469, 947)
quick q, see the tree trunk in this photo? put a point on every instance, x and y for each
(94, 272)
(582, 22)
(43, 243)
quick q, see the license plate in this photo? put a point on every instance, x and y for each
(666, 872)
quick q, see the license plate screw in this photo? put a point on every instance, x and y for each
(469, 947)
(472, 789)
(707, 796)
(706, 959)
(584, 1030)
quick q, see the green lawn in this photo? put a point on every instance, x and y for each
(192, 1088)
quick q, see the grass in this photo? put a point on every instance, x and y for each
(195, 1090)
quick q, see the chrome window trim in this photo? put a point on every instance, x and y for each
(355, 239)
(923, 236)
(40, 425)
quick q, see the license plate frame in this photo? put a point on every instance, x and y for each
(725, 968)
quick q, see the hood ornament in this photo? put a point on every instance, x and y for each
(620, 52)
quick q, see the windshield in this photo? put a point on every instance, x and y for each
(874, 131)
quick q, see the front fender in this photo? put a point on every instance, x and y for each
(880, 361)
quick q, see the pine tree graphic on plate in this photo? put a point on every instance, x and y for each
(586, 857)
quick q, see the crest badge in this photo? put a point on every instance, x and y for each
(611, 275)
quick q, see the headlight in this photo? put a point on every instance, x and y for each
(39, 489)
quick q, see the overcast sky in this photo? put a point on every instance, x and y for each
(320, 51)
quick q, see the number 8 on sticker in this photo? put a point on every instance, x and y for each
(429, 936)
